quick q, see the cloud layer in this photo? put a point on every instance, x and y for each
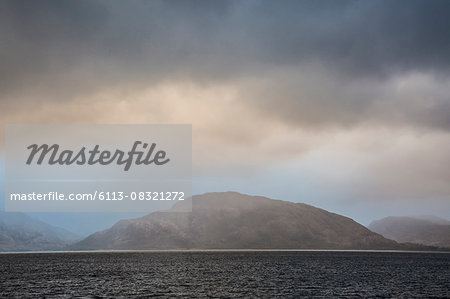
(354, 93)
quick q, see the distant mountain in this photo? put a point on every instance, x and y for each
(20, 232)
(231, 220)
(425, 230)
(434, 219)
(81, 223)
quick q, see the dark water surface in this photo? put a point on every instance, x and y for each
(226, 274)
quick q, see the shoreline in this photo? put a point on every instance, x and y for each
(222, 250)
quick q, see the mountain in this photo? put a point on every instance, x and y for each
(20, 232)
(81, 223)
(231, 220)
(434, 219)
(426, 230)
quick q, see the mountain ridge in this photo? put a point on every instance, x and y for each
(426, 230)
(21, 232)
(230, 220)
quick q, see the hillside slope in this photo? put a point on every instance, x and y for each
(231, 220)
(20, 232)
(427, 231)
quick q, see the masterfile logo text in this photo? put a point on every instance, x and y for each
(53, 155)
(120, 164)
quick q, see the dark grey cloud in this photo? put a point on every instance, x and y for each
(321, 98)
(337, 57)
(217, 38)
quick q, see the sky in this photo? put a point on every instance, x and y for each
(344, 105)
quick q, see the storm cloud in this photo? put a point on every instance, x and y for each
(359, 84)
(203, 40)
